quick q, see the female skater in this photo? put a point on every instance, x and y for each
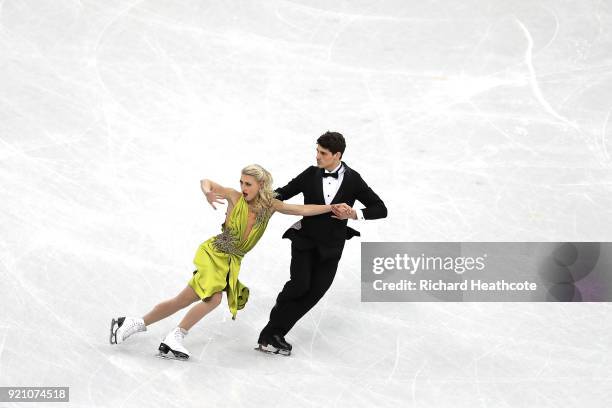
(218, 259)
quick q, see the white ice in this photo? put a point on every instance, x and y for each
(474, 121)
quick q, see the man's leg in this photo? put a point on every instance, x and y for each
(323, 275)
(296, 287)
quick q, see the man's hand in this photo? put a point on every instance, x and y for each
(213, 198)
(343, 212)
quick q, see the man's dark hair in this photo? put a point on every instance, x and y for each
(332, 141)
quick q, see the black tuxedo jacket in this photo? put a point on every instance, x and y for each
(322, 230)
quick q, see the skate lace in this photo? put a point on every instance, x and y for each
(179, 336)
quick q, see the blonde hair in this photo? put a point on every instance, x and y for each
(263, 201)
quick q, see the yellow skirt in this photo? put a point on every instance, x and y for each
(217, 271)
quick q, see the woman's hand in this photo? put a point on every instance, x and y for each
(213, 198)
(215, 192)
(343, 211)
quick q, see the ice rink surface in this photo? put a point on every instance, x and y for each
(474, 121)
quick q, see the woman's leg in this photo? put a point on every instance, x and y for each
(199, 311)
(186, 297)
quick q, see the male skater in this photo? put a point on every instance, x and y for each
(317, 241)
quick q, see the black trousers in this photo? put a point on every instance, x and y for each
(311, 274)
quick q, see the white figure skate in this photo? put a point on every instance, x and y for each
(172, 345)
(124, 327)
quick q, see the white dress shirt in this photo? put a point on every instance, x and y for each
(331, 186)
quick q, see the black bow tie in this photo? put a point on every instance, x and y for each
(334, 175)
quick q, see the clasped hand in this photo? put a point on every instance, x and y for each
(343, 211)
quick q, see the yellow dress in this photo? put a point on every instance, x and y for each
(218, 259)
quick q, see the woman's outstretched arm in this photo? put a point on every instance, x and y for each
(215, 192)
(297, 209)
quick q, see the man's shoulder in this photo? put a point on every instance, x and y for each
(351, 171)
(310, 170)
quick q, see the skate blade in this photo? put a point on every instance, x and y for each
(113, 331)
(272, 350)
(170, 356)
(168, 353)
